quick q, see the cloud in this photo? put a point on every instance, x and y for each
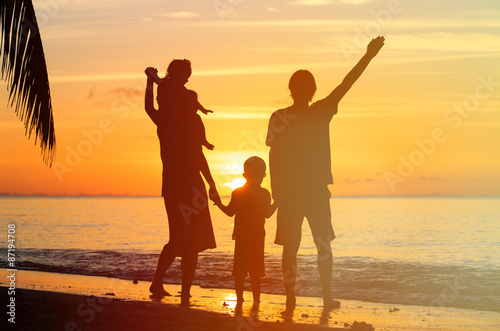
(146, 137)
(180, 14)
(240, 112)
(354, 2)
(431, 178)
(358, 180)
(238, 116)
(127, 92)
(93, 77)
(326, 2)
(311, 2)
(91, 92)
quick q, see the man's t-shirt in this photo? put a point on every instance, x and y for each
(300, 158)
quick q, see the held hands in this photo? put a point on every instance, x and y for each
(375, 45)
(214, 195)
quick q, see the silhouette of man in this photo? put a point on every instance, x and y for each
(300, 167)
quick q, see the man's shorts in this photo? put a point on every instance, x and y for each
(315, 206)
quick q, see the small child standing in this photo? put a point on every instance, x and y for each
(251, 204)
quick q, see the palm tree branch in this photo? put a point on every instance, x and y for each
(24, 70)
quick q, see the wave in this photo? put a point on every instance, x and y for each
(354, 278)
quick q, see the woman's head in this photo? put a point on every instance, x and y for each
(179, 71)
(302, 86)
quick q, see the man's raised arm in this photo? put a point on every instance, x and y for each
(373, 47)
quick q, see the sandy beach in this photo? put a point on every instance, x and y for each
(51, 301)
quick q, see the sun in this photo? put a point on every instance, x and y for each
(238, 182)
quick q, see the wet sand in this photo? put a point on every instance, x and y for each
(50, 301)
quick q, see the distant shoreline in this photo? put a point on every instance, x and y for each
(6, 195)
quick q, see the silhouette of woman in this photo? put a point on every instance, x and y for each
(183, 190)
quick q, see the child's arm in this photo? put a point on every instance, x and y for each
(272, 208)
(228, 210)
(203, 110)
(373, 47)
(149, 101)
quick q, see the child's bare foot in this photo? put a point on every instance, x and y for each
(238, 309)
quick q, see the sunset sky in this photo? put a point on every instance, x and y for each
(422, 120)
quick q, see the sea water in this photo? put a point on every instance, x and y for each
(432, 251)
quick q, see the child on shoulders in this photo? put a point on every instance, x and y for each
(179, 71)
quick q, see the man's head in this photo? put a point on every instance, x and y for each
(254, 169)
(302, 86)
(179, 71)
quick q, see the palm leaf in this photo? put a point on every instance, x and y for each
(24, 70)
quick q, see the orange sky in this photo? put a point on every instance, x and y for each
(422, 120)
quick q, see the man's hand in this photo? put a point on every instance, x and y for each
(206, 111)
(375, 45)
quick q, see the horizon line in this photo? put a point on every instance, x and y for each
(228, 196)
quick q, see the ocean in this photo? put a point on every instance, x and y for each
(429, 251)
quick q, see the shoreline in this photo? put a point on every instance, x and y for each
(110, 301)
(445, 286)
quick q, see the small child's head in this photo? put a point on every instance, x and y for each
(254, 170)
(179, 71)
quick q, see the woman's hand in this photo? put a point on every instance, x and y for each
(214, 195)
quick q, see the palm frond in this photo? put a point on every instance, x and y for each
(25, 72)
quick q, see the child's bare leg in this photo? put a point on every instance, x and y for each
(208, 145)
(255, 280)
(239, 283)
(203, 135)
